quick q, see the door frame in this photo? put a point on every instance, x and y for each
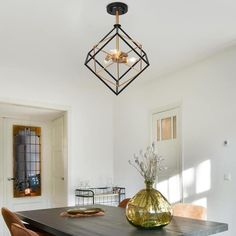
(166, 108)
(1, 162)
(2, 229)
(68, 119)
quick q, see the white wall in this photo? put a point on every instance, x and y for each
(91, 143)
(207, 94)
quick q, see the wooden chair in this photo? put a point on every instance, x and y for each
(11, 218)
(18, 230)
(189, 211)
(124, 203)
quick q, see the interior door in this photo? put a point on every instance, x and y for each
(166, 131)
(27, 202)
(59, 162)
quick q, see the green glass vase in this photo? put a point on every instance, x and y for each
(149, 208)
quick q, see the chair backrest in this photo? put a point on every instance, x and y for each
(18, 230)
(189, 211)
(123, 203)
(10, 218)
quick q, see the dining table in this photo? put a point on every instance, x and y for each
(112, 223)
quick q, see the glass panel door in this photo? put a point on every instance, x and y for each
(27, 161)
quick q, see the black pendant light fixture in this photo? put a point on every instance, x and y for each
(117, 59)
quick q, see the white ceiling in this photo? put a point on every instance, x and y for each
(55, 35)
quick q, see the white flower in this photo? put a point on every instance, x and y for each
(148, 164)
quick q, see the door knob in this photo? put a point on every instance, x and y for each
(11, 179)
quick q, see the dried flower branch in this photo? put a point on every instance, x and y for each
(148, 164)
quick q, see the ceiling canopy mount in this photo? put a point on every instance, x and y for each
(113, 7)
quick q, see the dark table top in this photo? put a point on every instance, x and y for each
(113, 223)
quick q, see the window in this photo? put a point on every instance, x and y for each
(166, 128)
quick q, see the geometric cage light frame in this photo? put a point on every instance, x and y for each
(117, 59)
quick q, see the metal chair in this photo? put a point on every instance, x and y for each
(18, 230)
(124, 203)
(189, 211)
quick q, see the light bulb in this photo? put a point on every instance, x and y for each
(114, 51)
(132, 60)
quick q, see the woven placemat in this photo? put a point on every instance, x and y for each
(66, 214)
